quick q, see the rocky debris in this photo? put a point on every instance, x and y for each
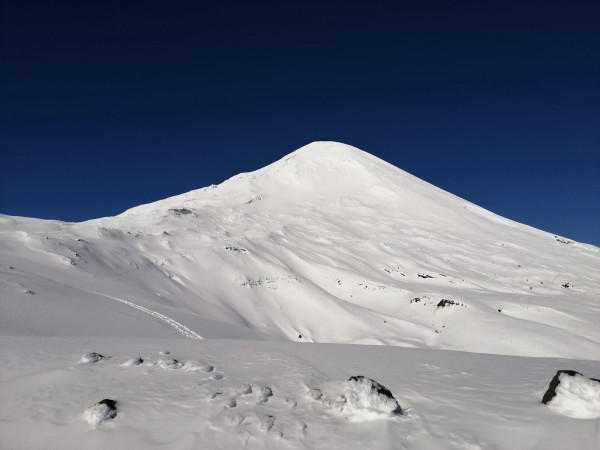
(446, 303)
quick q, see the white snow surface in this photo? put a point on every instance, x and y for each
(219, 309)
(577, 397)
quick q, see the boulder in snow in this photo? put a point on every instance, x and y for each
(366, 399)
(574, 395)
(92, 357)
(100, 412)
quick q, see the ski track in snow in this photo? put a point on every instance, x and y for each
(180, 328)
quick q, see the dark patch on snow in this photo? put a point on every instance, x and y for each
(236, 249)
(254, 199)
(445, 302)
(180, 210)
(424, 275)
(566, 285)
(112, 404)
(415, 300)
(551, 392)
(563, 240)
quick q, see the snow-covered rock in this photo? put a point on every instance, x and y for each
(366, 399)
(100, 412)
(92, 358)
(574, 395)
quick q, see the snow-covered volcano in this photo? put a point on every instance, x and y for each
(169, 326)
(328, 244)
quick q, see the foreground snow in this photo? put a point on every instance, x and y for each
(258, 395)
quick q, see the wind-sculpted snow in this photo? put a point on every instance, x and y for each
(275, 395)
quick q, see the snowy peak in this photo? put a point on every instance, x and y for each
(327, 164)
(322, 166)
(318, 173)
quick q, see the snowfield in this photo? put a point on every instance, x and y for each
(221, 319)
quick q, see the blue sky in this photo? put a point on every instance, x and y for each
(107, 105)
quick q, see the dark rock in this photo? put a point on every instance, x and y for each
(551, 392)
(379, 388)
(444, 302)
(112, 404)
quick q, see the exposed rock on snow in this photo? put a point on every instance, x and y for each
(135, 361)
(101, 412)
(366, 399)
(170, 364)
(574, 395)
(445, 302)
(92, 357)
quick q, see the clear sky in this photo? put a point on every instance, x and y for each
(109, 104)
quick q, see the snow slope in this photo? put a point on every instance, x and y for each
(329, 243)
(216, 311)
